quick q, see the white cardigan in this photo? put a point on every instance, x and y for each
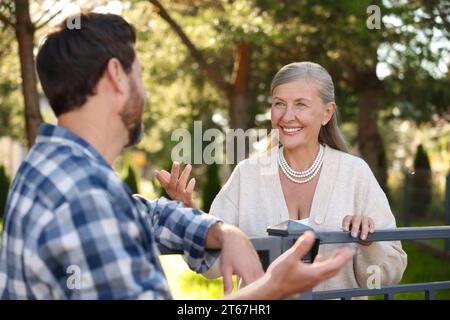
(252, 199)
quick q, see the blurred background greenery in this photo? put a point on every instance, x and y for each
(213, 61)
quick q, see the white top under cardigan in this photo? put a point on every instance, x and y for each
(252, 199)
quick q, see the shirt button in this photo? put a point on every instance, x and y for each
(319, 220)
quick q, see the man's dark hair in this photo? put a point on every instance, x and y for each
(72, 60)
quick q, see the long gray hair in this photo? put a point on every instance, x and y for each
(311, 72)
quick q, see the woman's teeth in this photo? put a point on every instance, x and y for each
(292, 129)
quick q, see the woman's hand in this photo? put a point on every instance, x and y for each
(356, 223)
(175, 185)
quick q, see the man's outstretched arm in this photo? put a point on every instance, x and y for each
(287, 275)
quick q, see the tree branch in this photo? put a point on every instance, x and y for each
(210, 72)
(40, 25)
(37, 27)
(7, 21)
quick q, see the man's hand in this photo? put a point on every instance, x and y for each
(238, 256)
(287, 275)
(175, 185)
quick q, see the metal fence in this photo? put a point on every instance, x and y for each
(282, 237)
(289, 231)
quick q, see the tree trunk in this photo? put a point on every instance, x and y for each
(239, 114)
(237, 100)
(369, 140)
(25, 37)
(236, 90)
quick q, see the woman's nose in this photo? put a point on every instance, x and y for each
(288, 114)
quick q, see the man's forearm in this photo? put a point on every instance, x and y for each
(215, 236)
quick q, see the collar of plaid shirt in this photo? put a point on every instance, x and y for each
(55, 134)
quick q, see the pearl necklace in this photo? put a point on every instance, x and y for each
(309, 173)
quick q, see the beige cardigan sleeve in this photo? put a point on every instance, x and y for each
(387, 257)
(225, 207)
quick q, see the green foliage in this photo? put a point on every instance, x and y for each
(212, 186)
(186, 284)
(11, 103)
(421, 184)
(131, 179)
(382, 171)
(421, 161)
(4, 187)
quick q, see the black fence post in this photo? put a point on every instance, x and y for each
(447, 209)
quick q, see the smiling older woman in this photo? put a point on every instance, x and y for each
(317, 181)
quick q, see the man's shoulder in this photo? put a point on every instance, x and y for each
(64, 163)
(53, 174)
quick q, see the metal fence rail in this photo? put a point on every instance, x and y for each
(428, 288)
(282, 236)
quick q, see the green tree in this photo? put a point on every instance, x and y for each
(4, 187)
(381, 173)
(19, 20)
(212, 186)
(20, 23)
(131, 179)
(421, 184)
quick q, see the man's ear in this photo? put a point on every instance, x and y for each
(116, 75)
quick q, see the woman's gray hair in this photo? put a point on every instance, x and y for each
(316, 74)
(309, 71)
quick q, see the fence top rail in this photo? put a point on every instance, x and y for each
(359, 292)
(398, 234)
(295, 228)
(336, 237)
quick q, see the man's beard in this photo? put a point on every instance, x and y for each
(132, 116)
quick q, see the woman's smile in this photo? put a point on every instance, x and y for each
(291, 131)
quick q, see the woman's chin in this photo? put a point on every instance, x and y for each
(289, 144)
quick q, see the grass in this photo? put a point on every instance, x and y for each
(428, 222)
(186, 284)
(422, 267)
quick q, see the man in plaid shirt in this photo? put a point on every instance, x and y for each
(69, 213)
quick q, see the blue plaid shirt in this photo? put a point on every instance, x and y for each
(73, 229)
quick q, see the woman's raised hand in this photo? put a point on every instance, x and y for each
(175, 184)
